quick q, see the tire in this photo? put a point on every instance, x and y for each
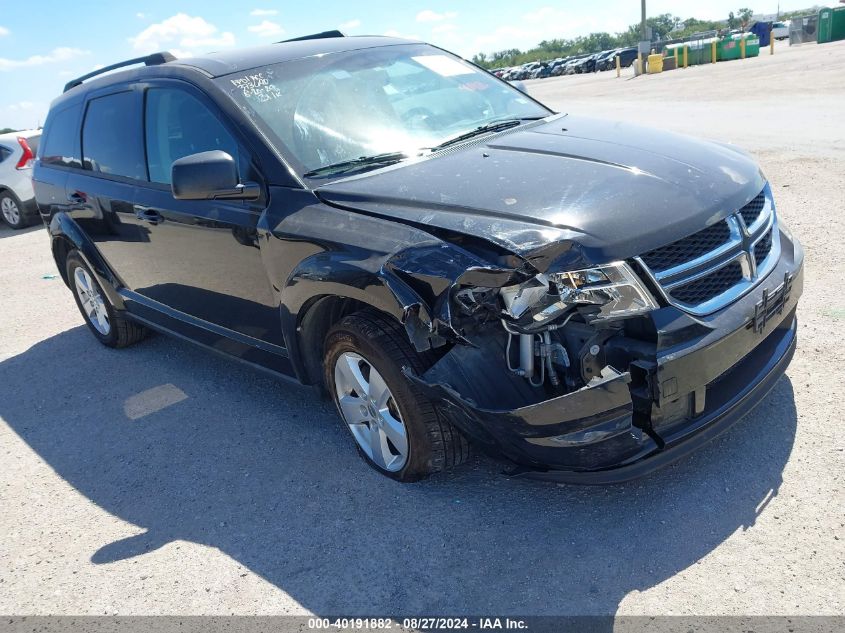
(432, 443)
(106, 324)
(12, 211)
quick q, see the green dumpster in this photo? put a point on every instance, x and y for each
(727, 49)
(700, 51)
(671, 50)
(752, 44)
(730, 47)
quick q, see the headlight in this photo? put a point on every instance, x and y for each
(613, 289)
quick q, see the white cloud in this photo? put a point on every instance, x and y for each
(184, 31)
(432, 16)
(446, 27)
(351, 25)
(266, 29)
(20, 106)
(542, 14)
(141, 16)
(3, 31)
(23, 115)
(56, 55)
(262, 12)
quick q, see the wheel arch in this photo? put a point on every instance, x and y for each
(306, 330)
(66, 236)
(311, 304)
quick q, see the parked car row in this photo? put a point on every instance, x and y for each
(574, 64)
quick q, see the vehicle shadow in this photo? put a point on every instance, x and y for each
(5, 231)
(189, 446)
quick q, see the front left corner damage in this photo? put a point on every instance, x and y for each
(587, 429)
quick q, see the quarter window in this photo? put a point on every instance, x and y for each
(61, 143)
(178, 125)
(111, 137)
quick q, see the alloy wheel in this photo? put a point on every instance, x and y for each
(10, 211)
(369, 409)
(92, 301)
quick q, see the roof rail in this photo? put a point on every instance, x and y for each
(316, 36)
(150, 60)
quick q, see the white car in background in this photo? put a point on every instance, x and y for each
(17, 199)
(780, 31)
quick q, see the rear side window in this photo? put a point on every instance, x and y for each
(4, 153)
(179, 125)
(61, 140)
(112, 141)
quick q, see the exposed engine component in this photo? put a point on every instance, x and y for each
(534, 310)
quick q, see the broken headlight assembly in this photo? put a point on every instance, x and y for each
(603, 293)
(535, 313)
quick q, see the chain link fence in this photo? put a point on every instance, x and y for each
(803, 29)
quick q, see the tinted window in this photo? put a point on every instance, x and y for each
(111, 137)
(179, 125)
(61, 143)
(4, 153)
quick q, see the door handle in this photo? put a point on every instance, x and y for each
(148, 214)
(77, 197)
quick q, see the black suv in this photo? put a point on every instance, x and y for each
(453, 261)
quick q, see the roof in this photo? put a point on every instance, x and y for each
(238, 59)
(13, 136)
(226, 62)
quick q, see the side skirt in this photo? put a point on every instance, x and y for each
(255, 353)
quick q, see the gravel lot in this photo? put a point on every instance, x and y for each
(164, 480)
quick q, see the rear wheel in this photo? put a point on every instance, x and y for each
(12, 210)
(396, 429)
(105, 323)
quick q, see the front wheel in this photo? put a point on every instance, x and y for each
(106, 324)
(396, 429)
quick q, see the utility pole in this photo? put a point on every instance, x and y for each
(641, 45)
(644, 24)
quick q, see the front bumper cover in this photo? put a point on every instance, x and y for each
(591, 436)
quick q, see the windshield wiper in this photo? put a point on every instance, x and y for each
(378, 160)
(493, 126)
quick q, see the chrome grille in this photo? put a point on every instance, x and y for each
(709, 286)
(751, 211)
(688, 248)
(703, 272)
(763, 248)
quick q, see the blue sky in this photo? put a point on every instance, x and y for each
(44, 43)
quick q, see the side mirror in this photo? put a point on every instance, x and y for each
(209, 176)
(519, 86)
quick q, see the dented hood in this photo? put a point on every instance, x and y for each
(567, 190)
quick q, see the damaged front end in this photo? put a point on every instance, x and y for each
(581, 375)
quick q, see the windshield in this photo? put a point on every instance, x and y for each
(330, 109)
